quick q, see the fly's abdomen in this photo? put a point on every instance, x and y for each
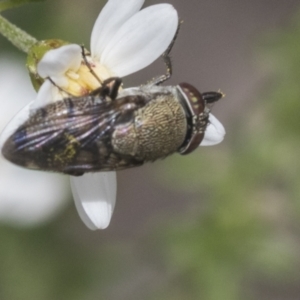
(158, 129)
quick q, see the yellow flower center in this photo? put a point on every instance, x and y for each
(83, 81)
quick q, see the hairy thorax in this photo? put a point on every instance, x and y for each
(157, 130)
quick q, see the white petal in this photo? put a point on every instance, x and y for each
(113, 15)
(95, 197)
(141, 40)
(214, 133)
(44, 96)
(48, 93)
(57, 61)
(15, 123)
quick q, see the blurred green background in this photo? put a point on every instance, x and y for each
(220, 224)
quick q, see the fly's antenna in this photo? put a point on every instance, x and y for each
(211, 97)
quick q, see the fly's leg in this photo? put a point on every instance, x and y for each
(89, 65)
(61, 89)
(167, 60)
(109, 88)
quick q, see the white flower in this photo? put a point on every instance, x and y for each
(27, 197)
(124, 40)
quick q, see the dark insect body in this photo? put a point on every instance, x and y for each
(97, 133)
(111, 129)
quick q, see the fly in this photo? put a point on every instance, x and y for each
(112, 129)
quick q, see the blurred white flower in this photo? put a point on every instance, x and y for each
(27, 197)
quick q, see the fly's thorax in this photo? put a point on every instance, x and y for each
(156, 130)
(148, 92)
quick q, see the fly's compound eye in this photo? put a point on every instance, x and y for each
(197, 117)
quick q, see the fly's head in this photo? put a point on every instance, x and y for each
(197, 112)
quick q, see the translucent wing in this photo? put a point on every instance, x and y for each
(72, 136)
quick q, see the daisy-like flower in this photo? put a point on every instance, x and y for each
(124, 40)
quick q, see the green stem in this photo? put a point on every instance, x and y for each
(19, 38)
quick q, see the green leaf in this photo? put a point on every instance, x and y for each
(9, 4)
